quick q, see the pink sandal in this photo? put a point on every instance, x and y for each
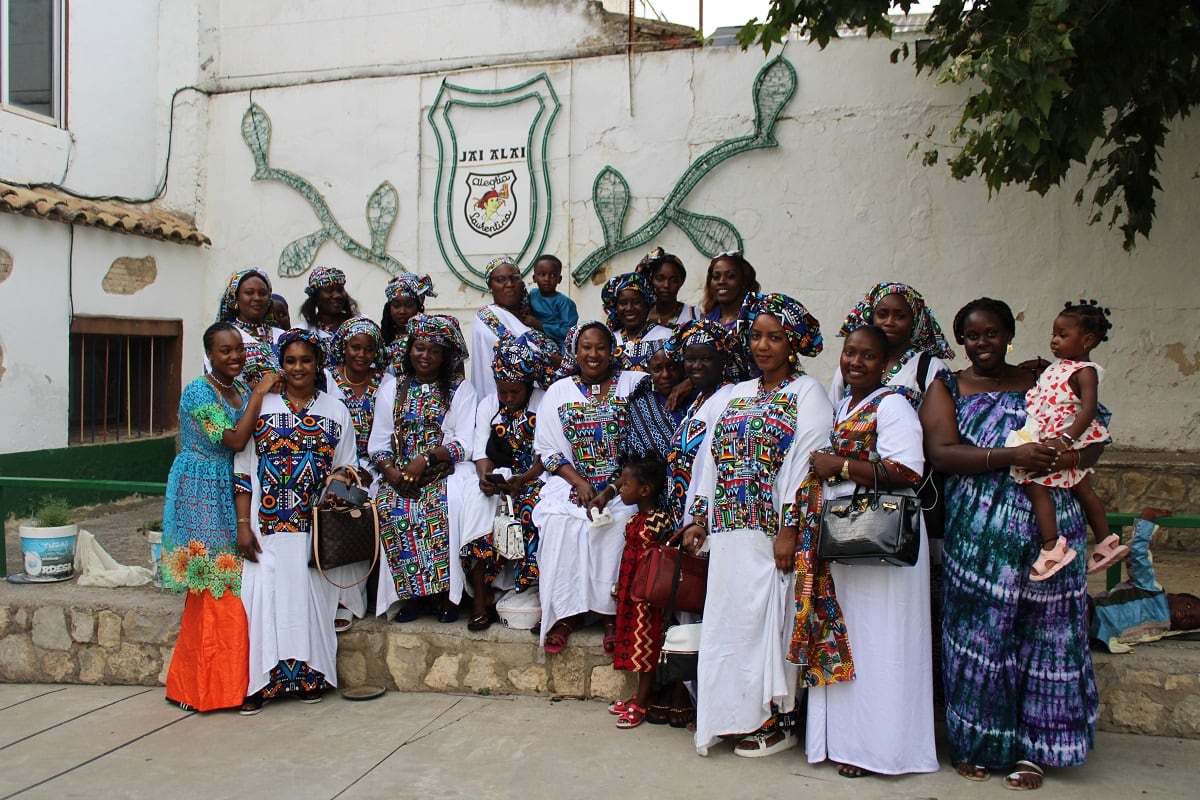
(1050, 562)
(1108, 551)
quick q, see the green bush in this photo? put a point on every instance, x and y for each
(54, 513)
(152, 525)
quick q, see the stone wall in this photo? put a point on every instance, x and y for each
(1128, 480)
(61, 643)
(1155, 689)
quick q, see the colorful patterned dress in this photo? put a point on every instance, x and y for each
(882, 720)
(262, 352)
(1017, 670)
(517, 430)
(639, 625)
(208, 669)
(634, 352)
(579, 561)
(290, 607)
(419, 533)
(748, 475)
(685, 446)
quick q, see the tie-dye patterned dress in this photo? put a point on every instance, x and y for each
(1016, 666)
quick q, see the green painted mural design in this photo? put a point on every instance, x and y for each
(773, 89)
(297, 258)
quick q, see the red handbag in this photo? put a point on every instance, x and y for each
(665, 576)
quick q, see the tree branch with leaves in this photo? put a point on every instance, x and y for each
(1052, 83)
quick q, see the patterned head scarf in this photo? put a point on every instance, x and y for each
(656, 257)
(709, 333)
(347, 331)
(612, 291)
(414, 287)
(802, 328)
(320, 277)
(311, 337)
(570, 366)
(490, 266)
(441, 329)
(926, 335)
(228, 307)
(524, 359)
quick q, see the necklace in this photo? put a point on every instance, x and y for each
(292, 405)
(218, 382)
(358, 385)
(977, 376)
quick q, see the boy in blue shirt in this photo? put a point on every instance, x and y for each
(554, 310)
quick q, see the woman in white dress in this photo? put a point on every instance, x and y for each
(508, 314)
(627, 301)
(301, 435)
(580, 437)
(746, 480)
(882, 721)
(356, 376)
(430, 410)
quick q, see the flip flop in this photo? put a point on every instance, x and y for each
(851, 771)
(1022, 768)
(481, 622)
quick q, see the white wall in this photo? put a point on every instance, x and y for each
(839, 205)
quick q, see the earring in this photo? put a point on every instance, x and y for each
(792, 359)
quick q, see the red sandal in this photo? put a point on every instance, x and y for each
(634, 715)
(619, 707)
(557, 637)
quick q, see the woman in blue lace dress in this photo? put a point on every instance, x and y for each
(216, 417)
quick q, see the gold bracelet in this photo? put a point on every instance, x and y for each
(846, 470)
(243, 519)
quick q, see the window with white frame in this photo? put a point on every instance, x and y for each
(31, 57)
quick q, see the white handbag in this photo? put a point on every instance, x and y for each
(508, 537)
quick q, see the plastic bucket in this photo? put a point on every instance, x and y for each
(49, 553)
(154, 538)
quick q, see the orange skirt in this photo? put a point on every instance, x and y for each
(210, 668)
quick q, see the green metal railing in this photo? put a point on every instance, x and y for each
(1118, 523)
(70, 484)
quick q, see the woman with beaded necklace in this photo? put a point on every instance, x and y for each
(246, 304)
(627, 301)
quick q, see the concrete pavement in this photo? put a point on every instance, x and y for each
(122, 741)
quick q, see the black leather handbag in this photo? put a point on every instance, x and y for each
(344, 533)
(871, 527)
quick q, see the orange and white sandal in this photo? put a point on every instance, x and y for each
(1050, 562)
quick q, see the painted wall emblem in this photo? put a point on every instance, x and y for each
(492, 195)
(491, 202)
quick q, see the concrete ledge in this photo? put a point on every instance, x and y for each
(129, 637)
(1155, 689)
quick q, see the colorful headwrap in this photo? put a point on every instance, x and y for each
(440, 329)
(496, 262)
(320, 277)
(569, 365)
(414, 287)
(228, 310)
(524, 359)
(311, 337)
(802, 328)
(926, 335)
(347, 331)
(612, 290)
(656, 257)
(710, 333)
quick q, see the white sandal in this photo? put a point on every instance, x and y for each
(760, 747)
(343, 620)
(1019, 769)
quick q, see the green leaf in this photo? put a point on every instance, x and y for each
(256, 132)
(610, 196)
(711, 235)
(298, 256)
(381, 215)
(773, 88)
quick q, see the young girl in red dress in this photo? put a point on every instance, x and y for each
(639, 625)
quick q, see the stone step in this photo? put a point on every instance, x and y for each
(128, 639)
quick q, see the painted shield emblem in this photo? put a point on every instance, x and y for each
(492, 196)
(491, 204)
